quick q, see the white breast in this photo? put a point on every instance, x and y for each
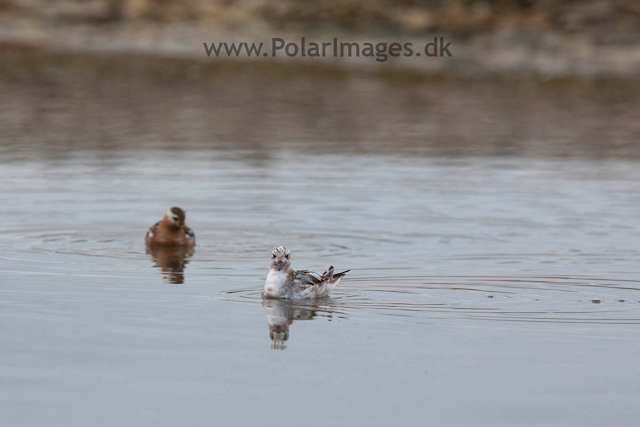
(276, 283)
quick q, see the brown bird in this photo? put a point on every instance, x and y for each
(171, 231)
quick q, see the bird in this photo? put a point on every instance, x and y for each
(171, 230)
(284, 282)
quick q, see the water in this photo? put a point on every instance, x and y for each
(489, 285)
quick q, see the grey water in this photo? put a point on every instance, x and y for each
(494, 273)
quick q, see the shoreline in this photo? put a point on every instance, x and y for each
(545, 55)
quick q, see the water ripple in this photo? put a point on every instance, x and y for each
(531, 299)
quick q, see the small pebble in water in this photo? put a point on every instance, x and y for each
(596, 301)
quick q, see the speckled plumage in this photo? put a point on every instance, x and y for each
(284, 282)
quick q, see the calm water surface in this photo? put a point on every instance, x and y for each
(499, 290)
(485, 290)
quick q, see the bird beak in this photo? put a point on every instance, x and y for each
(279, 265)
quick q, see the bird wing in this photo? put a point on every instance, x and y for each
(306, 277)
(153, 230)
(189, 232)
(314, 284)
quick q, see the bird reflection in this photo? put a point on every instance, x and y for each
(172, 261)
(281, 313)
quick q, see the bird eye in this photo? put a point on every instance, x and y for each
(273, 256)
(287, 256)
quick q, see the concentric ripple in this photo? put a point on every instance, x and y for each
(531, 299)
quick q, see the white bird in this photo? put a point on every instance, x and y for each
(284, 282)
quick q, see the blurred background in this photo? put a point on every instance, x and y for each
(535, 77)
(488, 205)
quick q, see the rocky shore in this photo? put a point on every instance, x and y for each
(540, 38)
